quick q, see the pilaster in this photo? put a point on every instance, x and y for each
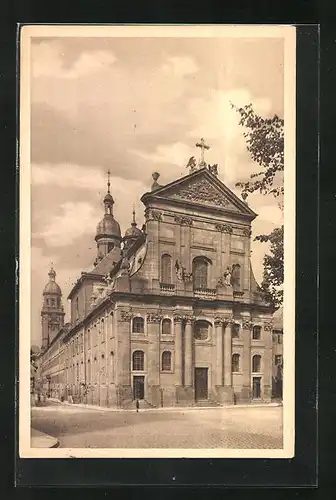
(124, 356)
(178, 349)
(219, 351)
(188, 352)
(224, 388)
(267, 361)
(246, 332)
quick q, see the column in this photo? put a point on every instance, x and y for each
(178, 349)
(219, 352)
(227, 355)
(188, 353)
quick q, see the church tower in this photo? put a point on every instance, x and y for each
(52, 313)
(108, 234)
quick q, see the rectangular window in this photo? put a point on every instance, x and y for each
(256, 332)
(235, 330)
(279, 338)
(138, 325)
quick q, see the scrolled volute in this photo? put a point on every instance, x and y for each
(125, 316)
(154, 317)
(247, 324)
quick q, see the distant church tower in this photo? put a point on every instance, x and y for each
(108, 233)
(52, 312)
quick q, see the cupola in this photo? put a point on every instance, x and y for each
(108, 234)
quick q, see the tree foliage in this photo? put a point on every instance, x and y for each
(273, 274)
(265, 143)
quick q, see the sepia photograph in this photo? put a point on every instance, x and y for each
(157, 241)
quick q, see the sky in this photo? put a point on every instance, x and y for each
(135, 106)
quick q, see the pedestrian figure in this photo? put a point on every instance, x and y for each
(137, 405)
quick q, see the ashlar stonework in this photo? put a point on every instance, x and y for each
(175, 326)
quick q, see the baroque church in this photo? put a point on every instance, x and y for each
(170, 314)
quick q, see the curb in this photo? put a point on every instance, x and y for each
(168, 408)
(43, 440)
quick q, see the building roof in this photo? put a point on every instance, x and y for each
(108, 226)
(278, 319)
(52, 287)
(203, 189)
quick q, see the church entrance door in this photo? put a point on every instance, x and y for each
(138, 387)
(201, 384)
(256, 386)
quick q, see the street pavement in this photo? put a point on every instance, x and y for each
(42, 440)
(236, 427)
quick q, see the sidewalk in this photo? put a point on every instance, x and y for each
(41, 440)
(165, 408)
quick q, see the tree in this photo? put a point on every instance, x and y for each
(265, 143)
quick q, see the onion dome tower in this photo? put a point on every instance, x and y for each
(52, 312)
(108, 230)
(132, 233)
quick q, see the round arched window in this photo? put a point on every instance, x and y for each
(166, 361)
(166, 326)
(138, 360)
(200, 272)
(166, 267)
(235, 362)
(256, 363)
(201, 330)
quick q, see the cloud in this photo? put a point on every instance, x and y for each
(215, 119)
(271, 213)
(48, 61)
(179, 66)
(74, 220)
(177, 153)
(66, 175)
(134, 106)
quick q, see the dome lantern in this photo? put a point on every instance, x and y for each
(52, 287)
(133, 232)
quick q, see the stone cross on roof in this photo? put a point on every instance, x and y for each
(203, 146)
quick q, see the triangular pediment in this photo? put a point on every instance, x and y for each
(203, 188)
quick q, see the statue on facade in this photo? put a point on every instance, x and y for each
(108, 279)
(213, 169)
(227, 277)
(191, 164)
(187, 277)
(179, 270)
(125, 263)
(225, 280)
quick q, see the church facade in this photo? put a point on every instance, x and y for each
(170, 314)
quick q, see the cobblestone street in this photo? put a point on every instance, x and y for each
(236, 427)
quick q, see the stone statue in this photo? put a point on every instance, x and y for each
(187, 277)
(108, 279)
(191, 164)
(214, 169)
(227, 277)
(125, 263)
(179, 270)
